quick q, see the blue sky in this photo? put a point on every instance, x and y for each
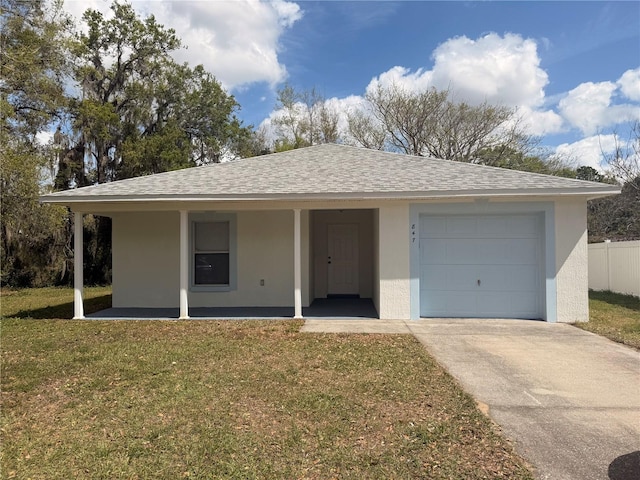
(340, 46)
(571, 68)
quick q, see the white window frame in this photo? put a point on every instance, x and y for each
(211, 217)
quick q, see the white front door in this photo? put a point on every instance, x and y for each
(342, 261)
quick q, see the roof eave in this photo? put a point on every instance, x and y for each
(589, 193)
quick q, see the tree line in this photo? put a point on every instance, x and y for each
(116, 105)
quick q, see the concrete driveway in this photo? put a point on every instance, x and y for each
(568, 399)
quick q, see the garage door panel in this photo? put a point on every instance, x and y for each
(524, 305)
(441, 278)
(434, 225)
(523, 278)
(463, 303)
(461, 225)
(434, 305)
(480, 266)
(492, 277)
(524, 225)
(460, 277)
(522, 251)
(461, 251)
(433, 277)
(433, 251)
(446, 302)
(493, 225)
(493, 304)
(505, 277)
(491, 250)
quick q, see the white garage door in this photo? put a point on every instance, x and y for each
(486, 266)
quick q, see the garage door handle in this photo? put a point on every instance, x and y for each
(478, 282)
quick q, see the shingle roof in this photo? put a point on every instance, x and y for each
(330, 171)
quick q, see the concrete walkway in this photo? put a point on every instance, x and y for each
(569, 400)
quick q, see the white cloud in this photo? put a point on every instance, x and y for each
(540, 122)
(629, 84)
(586, 105)
(589, 107)
(237, 41)
(402, 77)
(588, 151)
(288, 12)
(503, 70)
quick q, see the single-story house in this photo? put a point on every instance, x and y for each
(421, 237)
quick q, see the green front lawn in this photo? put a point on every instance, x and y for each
(235, 399)
(614, 316)
(50, 302)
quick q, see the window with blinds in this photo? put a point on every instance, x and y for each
(211, 251)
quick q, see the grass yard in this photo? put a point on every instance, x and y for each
(614, 316)
(235, 399)
(50, 302)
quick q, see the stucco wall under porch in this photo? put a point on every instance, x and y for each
(146, 261)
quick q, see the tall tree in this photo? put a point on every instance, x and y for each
(35, 238)
(117, 60)
(139, 111)
(33, 68)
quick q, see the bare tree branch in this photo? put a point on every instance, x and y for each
(624, 161)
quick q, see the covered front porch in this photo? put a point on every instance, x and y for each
(302, 263)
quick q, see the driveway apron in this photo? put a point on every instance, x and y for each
(568, 399)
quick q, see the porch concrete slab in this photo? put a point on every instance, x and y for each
(568, 399)
(371, 325)
(197, 313)
(333, 308)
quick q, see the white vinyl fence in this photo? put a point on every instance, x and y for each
(615, 266)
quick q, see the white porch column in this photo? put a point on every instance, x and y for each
(184, 264)
(297, 265)
(78, 267)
